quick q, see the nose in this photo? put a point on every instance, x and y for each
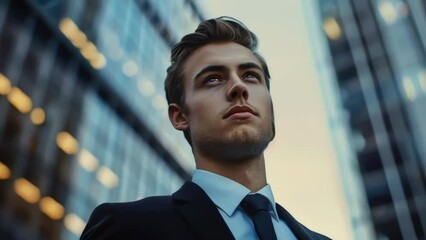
(237, 90)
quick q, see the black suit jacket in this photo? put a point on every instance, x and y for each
(187, 214)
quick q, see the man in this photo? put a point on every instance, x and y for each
(217, 88)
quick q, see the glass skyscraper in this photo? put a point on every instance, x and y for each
(371, 59)
(83, 116)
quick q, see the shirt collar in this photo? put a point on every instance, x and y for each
(267, 192)
(226, 193)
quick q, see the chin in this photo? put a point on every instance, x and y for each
(243, 135)
(243, 145)
(247, 136)
(233, 144)
(248, 132)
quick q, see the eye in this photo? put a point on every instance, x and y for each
(210, 80)
(251, 76)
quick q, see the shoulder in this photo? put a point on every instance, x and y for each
(315, 235)
(110, 220)
(318, 236)
(137, 210)
(146, 205)
(298, 229)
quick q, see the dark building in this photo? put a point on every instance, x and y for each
(377, 51)
(83, 116)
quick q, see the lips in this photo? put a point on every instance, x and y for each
(240, 112)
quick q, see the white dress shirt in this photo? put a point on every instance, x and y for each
(227, 195)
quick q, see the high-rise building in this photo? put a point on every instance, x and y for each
(83, 116)
(371, 57)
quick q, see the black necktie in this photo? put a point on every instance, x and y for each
(257, 208)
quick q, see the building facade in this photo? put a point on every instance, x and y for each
(375, 66)
(83, 116)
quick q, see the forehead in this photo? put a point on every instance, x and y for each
(228, 54)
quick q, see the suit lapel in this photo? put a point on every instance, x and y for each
(300, 231)
(200, 213)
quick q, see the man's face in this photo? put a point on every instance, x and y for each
(228, 108)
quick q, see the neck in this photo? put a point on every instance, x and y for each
(250, 173)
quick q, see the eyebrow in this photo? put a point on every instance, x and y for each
(249, 65)
(210, 68)
(222, 68)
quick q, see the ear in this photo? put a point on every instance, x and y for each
(177, 117)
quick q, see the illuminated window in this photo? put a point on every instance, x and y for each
(4, 172)
(388, 12)
(332, 28)
(72, 32)
(130, 68)
(409, 89)
(422, 79)
(67, 27)
(88, 161)
(107, 177)
(99, 61)
(67, 143)
(37, 116)
(88, 49)
(51, 208)
(26, 190)
(74, 224)
(20, 100)
(146, 87)
(5, 85)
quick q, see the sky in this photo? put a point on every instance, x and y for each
(301, 166)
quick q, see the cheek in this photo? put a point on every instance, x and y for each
(264, 101)
(267, 109)
(202, 110)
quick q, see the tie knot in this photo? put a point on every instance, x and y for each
(253, 203)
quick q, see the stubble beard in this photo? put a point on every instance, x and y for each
(238, 145)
